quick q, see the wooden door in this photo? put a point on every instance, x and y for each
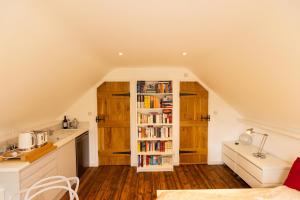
(193, 123)
(114, 123)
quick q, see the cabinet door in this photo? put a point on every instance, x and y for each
(66, 164)
(66, 160)
(40, 169)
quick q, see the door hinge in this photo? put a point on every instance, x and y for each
(122, 94)
(187, 151)
(187, 94)
(121, 152)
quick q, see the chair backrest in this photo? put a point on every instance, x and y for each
(1, 194)
(51, 183)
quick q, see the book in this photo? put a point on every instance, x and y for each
(154, 87)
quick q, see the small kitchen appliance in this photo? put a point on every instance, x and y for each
(41, 138)
(26, 141)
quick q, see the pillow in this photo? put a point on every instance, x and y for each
(293, 179)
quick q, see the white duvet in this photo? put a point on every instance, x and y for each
(278, 193)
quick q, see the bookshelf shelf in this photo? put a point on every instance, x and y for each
(154, 126)
(154, 139)
(167, 153)
(152, 109)
(155, 94)
(159, 168)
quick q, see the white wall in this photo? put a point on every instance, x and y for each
(224, 124)
(284, 144)
(10, 135)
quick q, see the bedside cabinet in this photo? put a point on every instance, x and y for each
(256, 172)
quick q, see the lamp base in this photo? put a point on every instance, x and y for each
(259, 155)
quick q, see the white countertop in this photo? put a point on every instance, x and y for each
(67, 136)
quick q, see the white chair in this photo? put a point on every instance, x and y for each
(1, 194)
(51, 183)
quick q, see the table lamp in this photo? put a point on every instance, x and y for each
(259, 154)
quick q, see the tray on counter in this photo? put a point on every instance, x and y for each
(29, 156)
(14, 154)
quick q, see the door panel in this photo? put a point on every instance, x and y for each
(193, 128)
(114, 124)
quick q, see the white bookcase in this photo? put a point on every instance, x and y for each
(155, 151)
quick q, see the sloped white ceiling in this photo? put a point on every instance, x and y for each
(247, 51)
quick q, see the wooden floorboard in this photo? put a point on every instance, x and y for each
(123, 182)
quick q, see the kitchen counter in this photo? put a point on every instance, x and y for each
(59, 138)
(63, 136)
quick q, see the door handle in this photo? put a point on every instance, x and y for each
(100, 118)
(205, 117)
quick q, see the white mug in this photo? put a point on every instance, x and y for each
(41, 138)
(26, 141)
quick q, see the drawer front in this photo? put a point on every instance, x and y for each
(230, 163)
(250, 168)
(37, 165)
(250, 180)
(275, 176)
(39, 174)
(49, 195)
(229, 153)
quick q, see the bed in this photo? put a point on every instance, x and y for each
(289, 191)
(277, 193)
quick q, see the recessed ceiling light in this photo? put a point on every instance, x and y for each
(120, 54)
(184, 53)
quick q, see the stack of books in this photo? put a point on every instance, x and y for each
(145, 101)
(155, 117)
(150, 118)
(155, 146)
(164, 87)
(167, 102)
(167, 116)
(140, 86)
(154, 132)
(150, 160)
(154, 87)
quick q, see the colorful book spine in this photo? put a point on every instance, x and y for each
(153, 160)
(154, 146)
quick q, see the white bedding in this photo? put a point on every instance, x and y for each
(278, 193)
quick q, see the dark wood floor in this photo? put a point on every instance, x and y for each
(122, 182)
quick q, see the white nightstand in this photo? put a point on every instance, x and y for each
(257, 172)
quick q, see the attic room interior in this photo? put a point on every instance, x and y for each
(131, 99)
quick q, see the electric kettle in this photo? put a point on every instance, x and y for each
(27, 141)
(41, 138)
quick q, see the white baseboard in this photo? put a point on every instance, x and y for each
(134, 165)
(215, 162)
(176, 163)
(93, 164)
